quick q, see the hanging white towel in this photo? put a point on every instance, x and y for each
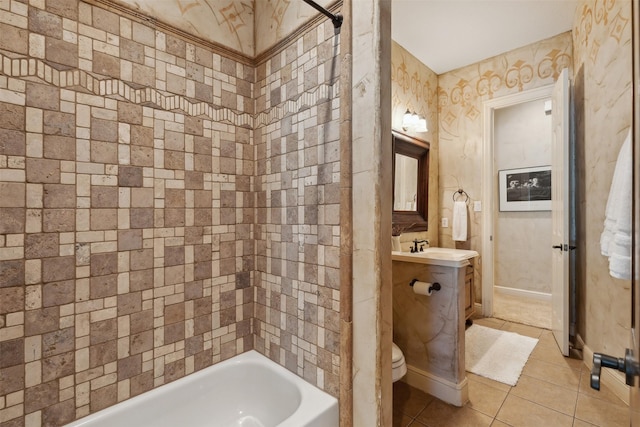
(459, 231)
(615, 241)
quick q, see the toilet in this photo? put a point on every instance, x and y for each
(398, 365)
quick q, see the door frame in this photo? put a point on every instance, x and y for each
(634, 391)
(489, 187)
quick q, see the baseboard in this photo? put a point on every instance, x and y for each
(580, 345)
(477, 306)
(455, 394)
(613, 380)
(523, 293)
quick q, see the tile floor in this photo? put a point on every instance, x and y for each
(552, 391)
(529, 311)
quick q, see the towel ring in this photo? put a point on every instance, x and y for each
(458, 194)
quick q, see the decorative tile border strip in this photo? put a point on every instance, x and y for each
(307, 99)
(116, 88)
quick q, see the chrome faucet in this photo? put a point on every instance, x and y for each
(416, 242)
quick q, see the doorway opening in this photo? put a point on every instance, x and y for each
(516, 276)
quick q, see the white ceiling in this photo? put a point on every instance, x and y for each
(449, 34)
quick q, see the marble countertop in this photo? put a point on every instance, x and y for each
(437, 256)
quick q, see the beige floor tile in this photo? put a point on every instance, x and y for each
(491, 383)
(551, 353)
(555, 374)
(526, 330)
(550, 391)
(409, 400)
(489, 322)
(440, 414)
(546, 394)
(546, 337)
(601, 413)
(605, 392)
(484, 398)
(519, 412)
(401, 420)
(580, 423)
(522, 310)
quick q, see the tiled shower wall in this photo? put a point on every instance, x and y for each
(298, 209)
(127, 210)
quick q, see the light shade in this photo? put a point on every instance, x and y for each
(422, 125)
(406, 120)
(413, 122)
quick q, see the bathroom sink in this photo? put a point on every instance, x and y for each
(440, 256)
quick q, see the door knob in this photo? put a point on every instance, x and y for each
(557, 247)
(628, 365)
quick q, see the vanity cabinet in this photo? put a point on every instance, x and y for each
(430, 328)
(469, 294)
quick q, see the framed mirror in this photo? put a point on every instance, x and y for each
(410, 182)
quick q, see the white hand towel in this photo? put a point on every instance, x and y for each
(615, 241)
(459, 231)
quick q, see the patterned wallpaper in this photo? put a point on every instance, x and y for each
(461, 94)
(414, 87)
(603, 99)
(595, 19)
(462, 91)
(598, 50)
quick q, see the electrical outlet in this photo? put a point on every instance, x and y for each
(445, 222)
(477, 206)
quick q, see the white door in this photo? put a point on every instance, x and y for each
(560, 211)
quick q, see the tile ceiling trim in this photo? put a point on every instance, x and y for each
(216, 47)
(158, 24)
(295, 35)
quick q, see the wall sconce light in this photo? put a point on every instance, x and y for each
(422, 125)
(414, 123)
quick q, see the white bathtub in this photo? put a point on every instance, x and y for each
(248, 390)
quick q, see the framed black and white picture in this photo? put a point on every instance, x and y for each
(525, 189)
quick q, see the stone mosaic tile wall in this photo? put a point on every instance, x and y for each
(146, 185)
(298, 210)
(126, 209)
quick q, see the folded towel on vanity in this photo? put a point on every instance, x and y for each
(615, 241)
(459, 223)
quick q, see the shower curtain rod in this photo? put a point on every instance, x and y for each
(336, 19)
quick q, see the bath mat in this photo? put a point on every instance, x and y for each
(498, 355)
